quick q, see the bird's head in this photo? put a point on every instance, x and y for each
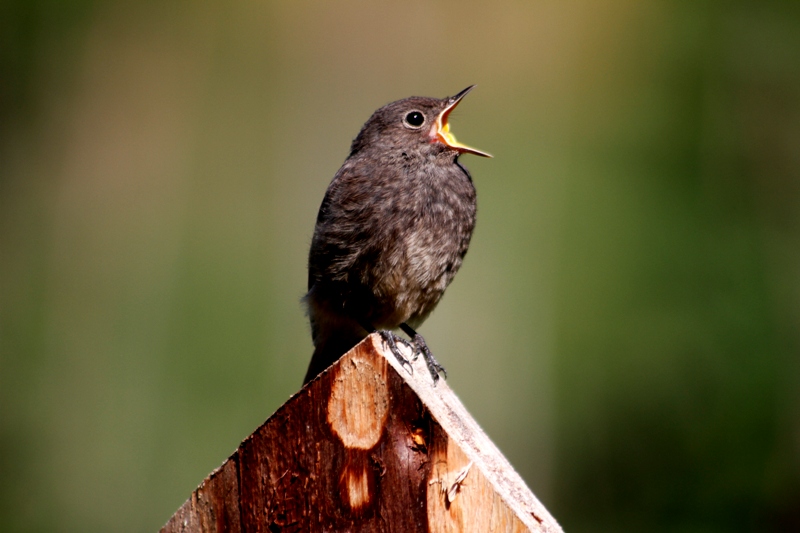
(414, 124)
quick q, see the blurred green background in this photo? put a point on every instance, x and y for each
(625, 327)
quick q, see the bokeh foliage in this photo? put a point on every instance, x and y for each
(625, 325)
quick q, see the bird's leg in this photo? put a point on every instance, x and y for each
(420, 347)
(390, 339)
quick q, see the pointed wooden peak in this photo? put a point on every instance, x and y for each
(366, 446)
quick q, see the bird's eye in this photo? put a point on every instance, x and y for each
(415, 119)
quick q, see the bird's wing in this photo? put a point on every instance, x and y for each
(345, 229)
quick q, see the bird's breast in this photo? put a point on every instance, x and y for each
(432, 225)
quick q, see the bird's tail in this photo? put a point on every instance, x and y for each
(329, 349)
(333, 333)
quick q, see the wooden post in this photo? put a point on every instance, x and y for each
(366, 446)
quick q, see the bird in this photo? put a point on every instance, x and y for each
(391, 233)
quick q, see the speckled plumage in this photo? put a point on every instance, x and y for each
(391, 233)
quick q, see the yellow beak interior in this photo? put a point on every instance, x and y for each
(443, 131)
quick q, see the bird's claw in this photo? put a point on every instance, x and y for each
(433, 365)
(418, 347)
(390, 339)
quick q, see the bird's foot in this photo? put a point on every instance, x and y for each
(420, 347)
(391, 339)
(433, 365)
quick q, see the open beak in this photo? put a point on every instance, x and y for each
(442, 128)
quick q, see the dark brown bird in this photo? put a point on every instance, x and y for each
(392, 231)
